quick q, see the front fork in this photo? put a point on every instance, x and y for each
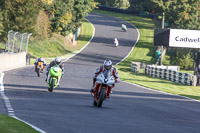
(99, 87)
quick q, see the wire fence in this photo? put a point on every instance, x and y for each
(17, 42)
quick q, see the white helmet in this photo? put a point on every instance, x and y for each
(107, 64)
(57, 60)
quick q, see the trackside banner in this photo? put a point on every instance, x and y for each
(184, 38)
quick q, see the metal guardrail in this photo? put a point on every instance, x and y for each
(175, 76)
(165, 72)
(135, 66)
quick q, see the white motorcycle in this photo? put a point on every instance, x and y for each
(104, 84)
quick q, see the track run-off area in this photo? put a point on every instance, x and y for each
(69, 109)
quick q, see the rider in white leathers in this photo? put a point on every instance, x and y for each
(106, 68)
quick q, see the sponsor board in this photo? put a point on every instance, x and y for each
(177, 38)
(184, 38)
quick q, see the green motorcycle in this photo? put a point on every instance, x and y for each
(55, 74)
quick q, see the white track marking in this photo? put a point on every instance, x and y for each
(162, 91)
(10, 110)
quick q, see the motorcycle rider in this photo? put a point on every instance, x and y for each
(57, 62)
(116, 43)
(39, 60)
(107, 68)
(124, 27)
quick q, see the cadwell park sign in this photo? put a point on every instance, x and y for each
(177, 38)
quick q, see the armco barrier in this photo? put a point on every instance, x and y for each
(175, 76)
(12, 60)
(135, 66)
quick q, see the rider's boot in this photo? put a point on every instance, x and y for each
(47, 78)
(92, 89)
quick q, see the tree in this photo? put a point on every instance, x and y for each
(184, 58)
(179, 13)
(60, 16)
(122, 4)
(20, 15)
(66, 15)
(1, 22)
(81, 9)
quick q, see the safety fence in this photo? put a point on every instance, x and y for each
(135, 66)
(175, 76)
(169, 73)
(17, 42)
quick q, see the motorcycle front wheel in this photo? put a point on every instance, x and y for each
(101, 97)
(94, 103)
(52, 84)
(38, 72)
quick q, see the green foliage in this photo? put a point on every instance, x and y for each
(184, 59)
(139, 4)
(81, 9)
(42, 25)
(20, 15)
(66, 15)
(122, 4)
(1, 22)
(180, 56)
(60, 16)
(179, 13)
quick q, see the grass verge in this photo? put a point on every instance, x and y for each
(144, 52)
(11, 125)
(56, 45)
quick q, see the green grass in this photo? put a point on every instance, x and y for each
(56, 46)
(2, 45)
(11, 125)
(144, 51)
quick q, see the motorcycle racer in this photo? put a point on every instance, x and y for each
(107, 69)
(39, 60)
(57, 62)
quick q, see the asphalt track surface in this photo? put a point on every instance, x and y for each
(69, 109)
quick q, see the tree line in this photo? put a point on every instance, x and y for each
(41, 17)
(178, 13)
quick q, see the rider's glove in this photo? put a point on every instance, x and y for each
(115, 80)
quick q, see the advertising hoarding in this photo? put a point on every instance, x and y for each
(184, 38)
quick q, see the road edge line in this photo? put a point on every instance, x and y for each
(161, 91)
(8, 106)
(85, 44)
